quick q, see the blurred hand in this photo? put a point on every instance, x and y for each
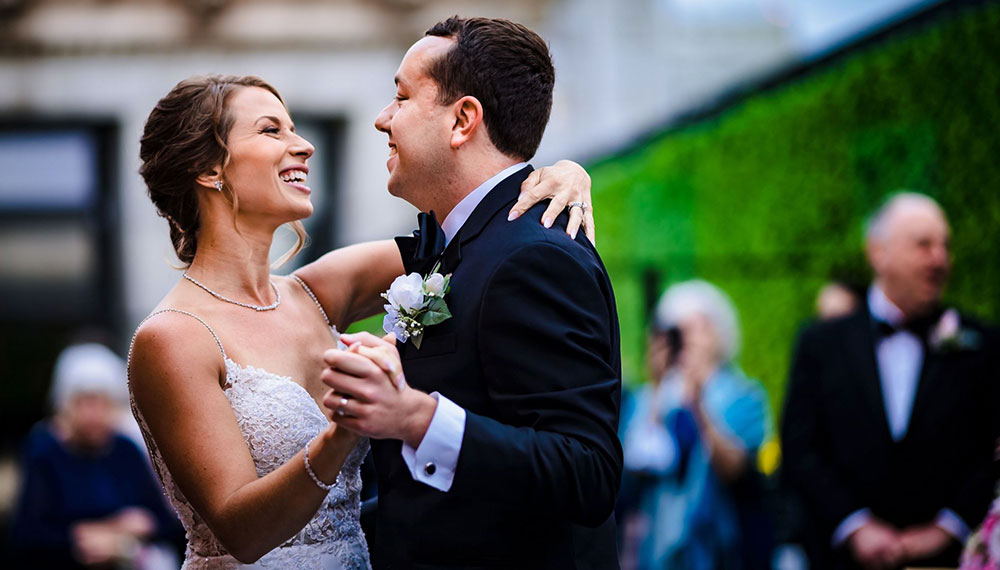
(699, 357)
(876, 546)
(924, 541)
(95, 543)
(564, 182)
(134, 521)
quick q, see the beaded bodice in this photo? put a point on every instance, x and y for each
(277, 418)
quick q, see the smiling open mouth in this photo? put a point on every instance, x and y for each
(294, 176)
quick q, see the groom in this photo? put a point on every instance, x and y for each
(501, 451)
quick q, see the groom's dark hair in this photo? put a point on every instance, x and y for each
(508, 68)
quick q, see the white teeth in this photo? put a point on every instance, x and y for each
(294, 176)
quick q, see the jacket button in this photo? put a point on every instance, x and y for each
(430, 468)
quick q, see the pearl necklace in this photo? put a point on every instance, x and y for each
(258, 308)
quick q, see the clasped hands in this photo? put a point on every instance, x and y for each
(368, 392)
(100, 542)
(878, 545)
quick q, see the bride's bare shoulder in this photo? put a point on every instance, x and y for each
(174, 343)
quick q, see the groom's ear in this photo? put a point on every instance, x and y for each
(468, 118)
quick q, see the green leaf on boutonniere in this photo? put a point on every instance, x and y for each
(416, 340)
(437, 312)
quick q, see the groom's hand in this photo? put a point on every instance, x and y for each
(368, 395)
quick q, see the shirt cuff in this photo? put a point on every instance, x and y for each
(846, 528)
(434, 461)
(953, 524)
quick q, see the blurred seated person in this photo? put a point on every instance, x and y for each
(691, 438)
(88, 498)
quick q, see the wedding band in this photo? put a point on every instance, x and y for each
(581, 205)
(340, 408)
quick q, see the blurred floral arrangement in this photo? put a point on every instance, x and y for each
(982, 551)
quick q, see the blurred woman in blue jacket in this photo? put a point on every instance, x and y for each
(691, 438)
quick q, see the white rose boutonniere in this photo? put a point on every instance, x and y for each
(416, 302)
(948, 335)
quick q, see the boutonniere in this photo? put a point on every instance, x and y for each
(414, 303)
(948, 335)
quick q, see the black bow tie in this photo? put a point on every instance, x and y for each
(884, 329)
(423, 250)
(920, 326)
(430, 237)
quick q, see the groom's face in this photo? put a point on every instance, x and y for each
(419, 127)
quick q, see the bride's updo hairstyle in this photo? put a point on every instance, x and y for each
(184, 137)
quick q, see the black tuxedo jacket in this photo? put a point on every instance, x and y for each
(532, 354)
(840, 455)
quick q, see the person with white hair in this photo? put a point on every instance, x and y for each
(889, 423)
(88, 498)
(91, 367)
(691, 437)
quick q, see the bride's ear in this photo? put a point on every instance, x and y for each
(208, 180)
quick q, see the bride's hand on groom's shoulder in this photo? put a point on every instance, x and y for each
(565, 182)
(368, 393)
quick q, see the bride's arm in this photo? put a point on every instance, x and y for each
(175, 375)
(348, 281)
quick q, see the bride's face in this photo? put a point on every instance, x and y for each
(267, 166)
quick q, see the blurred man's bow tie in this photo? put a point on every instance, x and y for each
(920, 326)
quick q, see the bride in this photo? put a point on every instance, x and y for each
(225, 372)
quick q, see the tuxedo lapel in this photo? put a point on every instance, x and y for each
(503, 194)
(930, 376)
(862, 359)
(452, 255)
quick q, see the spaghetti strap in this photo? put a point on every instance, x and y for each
(131, 344)
(313, 297)
(333, 327)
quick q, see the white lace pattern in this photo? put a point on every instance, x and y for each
(277, 417)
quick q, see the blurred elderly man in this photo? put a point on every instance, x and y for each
(888, 431)
(88, 498)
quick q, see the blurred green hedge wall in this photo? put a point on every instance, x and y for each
(767, 197)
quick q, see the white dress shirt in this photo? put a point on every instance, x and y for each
(433, 462)
(900, 357)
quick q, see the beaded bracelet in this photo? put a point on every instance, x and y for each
(322, 485)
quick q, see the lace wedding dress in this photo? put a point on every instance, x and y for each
(277, 417)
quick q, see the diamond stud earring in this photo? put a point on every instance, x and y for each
(218, 185)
